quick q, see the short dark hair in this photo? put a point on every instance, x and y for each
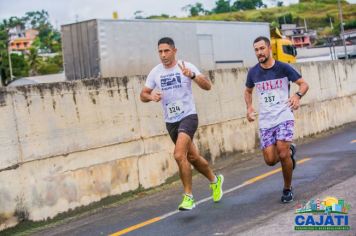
(262, 38)
(166, 40)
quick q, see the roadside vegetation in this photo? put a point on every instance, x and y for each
(43, 57)
(318, 14)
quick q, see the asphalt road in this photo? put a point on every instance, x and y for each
(251, 203)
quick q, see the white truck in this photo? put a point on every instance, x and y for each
(112, 48)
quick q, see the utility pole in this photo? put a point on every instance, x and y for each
(10, 64)
(342, 28)
(305, 25)
(9, 55)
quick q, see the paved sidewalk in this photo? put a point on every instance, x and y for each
(283, 224)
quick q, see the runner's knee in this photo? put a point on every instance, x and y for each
(197, 160)
(270, 162)
(270, 157)
(283, 154)
(179, 156)
(192, 158)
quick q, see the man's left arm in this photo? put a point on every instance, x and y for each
(193, 73)
(203, 82)
(294, 101)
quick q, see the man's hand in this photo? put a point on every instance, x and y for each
(186, 71)
(294, 102)
(156, 96)
(251, 114)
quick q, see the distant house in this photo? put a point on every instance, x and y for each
(21, 40)
(300, 36)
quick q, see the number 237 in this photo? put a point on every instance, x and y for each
(269, 99)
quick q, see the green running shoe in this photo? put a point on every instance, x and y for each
(187, 204)
(217, 188)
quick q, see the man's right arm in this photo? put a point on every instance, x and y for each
(147, 95)
(248, 99)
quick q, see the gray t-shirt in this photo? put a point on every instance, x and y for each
(177, 97)
(272, 87)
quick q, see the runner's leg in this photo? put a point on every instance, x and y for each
(270, 155)
(268, 146)
(180, 154)
(286, 162)
(199, 163)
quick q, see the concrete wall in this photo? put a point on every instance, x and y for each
(65, 145)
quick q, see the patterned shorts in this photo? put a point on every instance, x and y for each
(282, 132)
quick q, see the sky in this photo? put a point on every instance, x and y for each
(69, 11)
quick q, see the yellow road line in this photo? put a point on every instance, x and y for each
(353, 141)
(134, 227)
(265, 175)
(250, 181)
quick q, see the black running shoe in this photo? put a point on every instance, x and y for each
(293, 150)
(287, 195)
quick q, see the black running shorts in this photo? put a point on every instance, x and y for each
(188, 125)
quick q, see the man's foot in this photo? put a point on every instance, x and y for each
(293, 150)
(217, 188)
(287, 195)
(187, 204)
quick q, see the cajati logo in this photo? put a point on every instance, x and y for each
(328, 214)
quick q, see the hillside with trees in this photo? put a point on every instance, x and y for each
(321, 15)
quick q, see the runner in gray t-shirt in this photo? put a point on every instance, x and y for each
(171, 83)
(276, 120)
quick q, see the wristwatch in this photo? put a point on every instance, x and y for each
(299, 94)
(193, 76)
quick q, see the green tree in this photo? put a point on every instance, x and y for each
(20, 66)
(13, 22)
(48, 36)
(222, 6)
(285, 19)
(162, 16)
(4, 67)
(48, 68)
(4, 54)
(36, 19)
(247, 4)
(195, 10)
(58, 60)
(350, 24)
(33, 61)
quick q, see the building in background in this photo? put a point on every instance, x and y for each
(300, 36)
(21, 40)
